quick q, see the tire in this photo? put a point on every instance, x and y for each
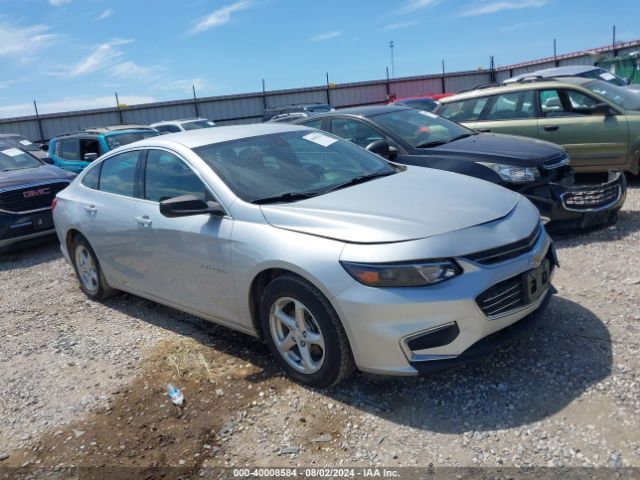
(318, 354)
(88, 271)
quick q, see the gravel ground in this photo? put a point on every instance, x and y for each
(82, 383)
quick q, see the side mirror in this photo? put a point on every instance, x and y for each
(380, 147)
(601, 109)
(48, 160)
(44, 147)
(90, 157)
(189, 205)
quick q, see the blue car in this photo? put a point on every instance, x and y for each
(74, 151)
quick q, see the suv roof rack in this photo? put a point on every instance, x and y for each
(480, 86)
(276, 107)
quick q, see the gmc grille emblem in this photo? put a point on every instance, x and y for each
(37, 193)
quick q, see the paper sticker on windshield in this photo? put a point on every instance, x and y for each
(607, 76)
(12, 152)
(320, 139)
(211, 123)
(26, 143)
(428, 114)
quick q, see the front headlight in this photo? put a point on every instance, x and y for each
(514, 174)
(415, 274)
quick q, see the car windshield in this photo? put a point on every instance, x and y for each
(197, 124)
(115, 140)
(602, 74)
(22, 142)
(622, 96)
(422, 103)
(12, 158)
(291, 165)
(421, 129)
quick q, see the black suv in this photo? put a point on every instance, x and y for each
(537, 169)
(27, 189)
(271, 112)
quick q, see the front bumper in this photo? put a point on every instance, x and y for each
(19, 227)
(382, 324)
(567, 207)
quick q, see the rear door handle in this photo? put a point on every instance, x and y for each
(484, 130)
(144, 221)
(551, 128)
(91, 209)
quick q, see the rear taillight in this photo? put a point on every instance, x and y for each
(54, 203)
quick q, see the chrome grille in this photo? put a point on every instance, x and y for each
(594, 199)
(506, 252)
(502, 297)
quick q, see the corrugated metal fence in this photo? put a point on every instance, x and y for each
(248, 108)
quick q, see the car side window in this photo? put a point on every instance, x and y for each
(167, 176)
(465, 110)
(580, 104)
(511, 106)
(355, 131)
(168, 128)
(314, 124)
(551, 104)
(118, 174)
(69, 149)
(89, 146)
(91, 179)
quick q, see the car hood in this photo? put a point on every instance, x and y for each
(416, 203)
(45, 173)
(491, 147)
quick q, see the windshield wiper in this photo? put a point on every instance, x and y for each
(285, 197)
(435, 143)
(360, 179)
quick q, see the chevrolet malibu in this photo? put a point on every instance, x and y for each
(334, 256)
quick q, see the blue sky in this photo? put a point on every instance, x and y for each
(73, 54)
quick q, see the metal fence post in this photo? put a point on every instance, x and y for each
(195, 101)
(35, 106)
(443, 80)
(119, 110)
(328, 92)
(264, 95)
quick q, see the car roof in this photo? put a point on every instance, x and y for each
(206, 136)
(89, 132)
(179, 120)
(9, 135)
(518, 86)
(368, 111)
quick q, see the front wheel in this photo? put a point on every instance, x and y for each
(88, 270)
(304, 333)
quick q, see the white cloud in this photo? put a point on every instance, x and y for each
(132, 71)
(57, 3)
(219, 17)
(69, 104)
(518, 26)
(325, 36)
(105, 14)
(103, 55)
(499, 6)
(24, 41)
(183, 87)
(415, 5)
(399, 25)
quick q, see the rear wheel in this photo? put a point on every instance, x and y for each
(88, 271)
(304, 333)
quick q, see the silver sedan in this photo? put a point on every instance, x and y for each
(337, 258)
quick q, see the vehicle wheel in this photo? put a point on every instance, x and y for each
(87, 268)
(304, 333)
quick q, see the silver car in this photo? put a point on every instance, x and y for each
(335, 257)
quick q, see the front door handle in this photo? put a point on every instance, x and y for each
(484, 130)
(551, 128)
(144, 221)
(90, 209)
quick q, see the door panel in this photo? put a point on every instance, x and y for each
(511, 113)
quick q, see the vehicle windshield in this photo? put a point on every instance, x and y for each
(621, 96)
(12, 158)
(602, 74)
(115, 140)
(291, 166)
(22, 142)
(197, 124)
(422, 103)
(421, 129)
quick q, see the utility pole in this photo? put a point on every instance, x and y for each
(195, 101)
(119, 109)
(393, 65)
(35, 106)
(492, 67)
(388, 86)
(613, 42)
